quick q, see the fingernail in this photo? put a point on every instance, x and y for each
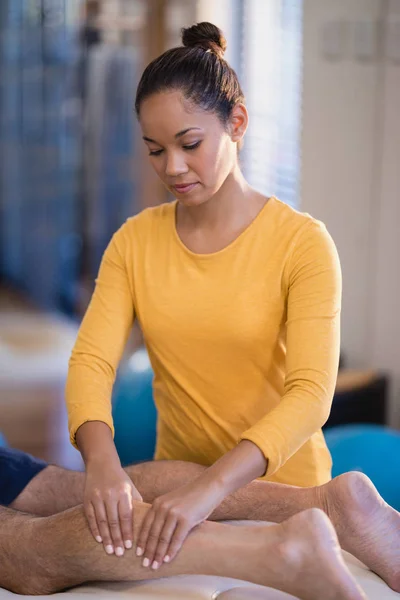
(109, 550)
(145, 562)
(139, 551)
(99, 539)
(119, 551)
(128, 544)
(155, 565)
(166, 558)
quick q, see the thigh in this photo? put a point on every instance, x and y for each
(17, 469)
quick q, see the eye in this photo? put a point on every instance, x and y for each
(187, 147)
(192, 146)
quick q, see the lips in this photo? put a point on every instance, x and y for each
(185, 187)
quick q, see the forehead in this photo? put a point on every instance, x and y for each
(164, 114)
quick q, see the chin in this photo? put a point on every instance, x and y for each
(191, 201)
(194, 199)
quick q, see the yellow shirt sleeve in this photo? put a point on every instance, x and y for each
(101, 340)
(314, 287)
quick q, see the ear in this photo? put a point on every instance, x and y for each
(238, 122)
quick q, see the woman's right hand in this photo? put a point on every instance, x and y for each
(108, 504)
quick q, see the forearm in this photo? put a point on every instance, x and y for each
(88, 393)
(101, 340)
(282, 432)
(95, 443)
(236, 468)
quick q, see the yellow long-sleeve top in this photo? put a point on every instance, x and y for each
(244, 342)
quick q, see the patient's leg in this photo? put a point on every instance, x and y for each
(53, 490)
(56, 489)
(366, 526)
(42, 555)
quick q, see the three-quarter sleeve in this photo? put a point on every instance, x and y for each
(101, 340)
(314, 287)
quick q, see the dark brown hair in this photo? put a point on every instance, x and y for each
(198, 69)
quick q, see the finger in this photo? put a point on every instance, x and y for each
(153, 538)
(91, 518)
(179, 536)
(102, 522)
(164, 541)
(144, 532)
(136, 495)
(114, 526)
(126, 520)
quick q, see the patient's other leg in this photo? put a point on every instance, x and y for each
(42, 555)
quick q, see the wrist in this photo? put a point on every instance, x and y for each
(236, 468)
(214, 480)
(104, 460)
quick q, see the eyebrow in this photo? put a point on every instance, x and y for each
(177, 135)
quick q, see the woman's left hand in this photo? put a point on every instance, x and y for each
(172, 517)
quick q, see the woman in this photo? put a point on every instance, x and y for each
(238, 297)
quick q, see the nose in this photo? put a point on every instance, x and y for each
(176, 164)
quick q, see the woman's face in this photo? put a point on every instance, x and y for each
(189, 148)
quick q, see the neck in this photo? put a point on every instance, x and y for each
(229, 204)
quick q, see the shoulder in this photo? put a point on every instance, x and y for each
(150, 217)
(295, 221)
(303, 230)
(133, 236)
(146, 224)
(311, 249)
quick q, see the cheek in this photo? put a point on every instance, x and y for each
(213, 160)
(158, 166)
(220, 163)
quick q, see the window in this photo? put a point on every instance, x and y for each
(270, 71)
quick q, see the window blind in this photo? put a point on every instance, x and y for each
(271, 74)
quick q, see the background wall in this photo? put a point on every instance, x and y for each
(385, 317)
(350, 170)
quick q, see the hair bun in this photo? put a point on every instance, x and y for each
(205, 35)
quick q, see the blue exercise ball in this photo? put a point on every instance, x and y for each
(3, 442)
(134, 412)
(370, 449)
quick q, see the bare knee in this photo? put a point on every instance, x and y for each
(352, 485)
(314, 517)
